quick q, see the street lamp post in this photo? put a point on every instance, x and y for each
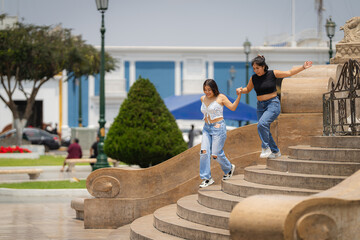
(330, 31)
(232, 72)
(80, 104)
(247, 50)
(101, 161)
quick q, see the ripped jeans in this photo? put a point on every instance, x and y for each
(267, 112)
(213, 140)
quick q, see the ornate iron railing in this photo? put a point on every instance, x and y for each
(341, 106)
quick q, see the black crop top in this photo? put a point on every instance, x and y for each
(264, 84)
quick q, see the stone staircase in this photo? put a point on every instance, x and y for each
(306, 170)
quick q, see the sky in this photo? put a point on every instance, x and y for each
(220, 23)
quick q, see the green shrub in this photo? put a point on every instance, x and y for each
(144, 132)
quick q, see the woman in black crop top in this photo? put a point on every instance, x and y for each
(268, 105)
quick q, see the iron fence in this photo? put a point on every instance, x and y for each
(341, 105)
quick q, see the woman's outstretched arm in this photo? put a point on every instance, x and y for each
(226, 102)
(284, 74)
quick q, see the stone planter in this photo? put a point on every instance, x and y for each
(39, 149)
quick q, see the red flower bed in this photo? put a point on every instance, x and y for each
(16, 149)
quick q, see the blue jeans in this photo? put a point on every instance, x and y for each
(267, 112)
(213, 140)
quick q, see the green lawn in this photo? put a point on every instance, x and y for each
(45, 185)
(46, 160)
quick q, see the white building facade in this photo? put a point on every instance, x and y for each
(173, 71)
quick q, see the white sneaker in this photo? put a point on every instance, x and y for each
(265, 153)
(275, 155)
(206, 183)
(229, 175)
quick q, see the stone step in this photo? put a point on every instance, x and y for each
(286, 164)
(122, 232)
(237, 186)
(190, 209)
(336, 141)
(213, 197)
(305, 152)
(166, 220)
(143, 229)
(260, 174)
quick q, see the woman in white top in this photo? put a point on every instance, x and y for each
(214, 132)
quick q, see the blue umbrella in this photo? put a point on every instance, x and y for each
(188, 107)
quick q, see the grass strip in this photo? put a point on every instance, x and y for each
(45, 160)
(45, 185)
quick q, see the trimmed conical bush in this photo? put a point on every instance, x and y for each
(144, 133)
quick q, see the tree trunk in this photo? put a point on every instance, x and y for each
(19, 125)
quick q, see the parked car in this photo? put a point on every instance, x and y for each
(36, 136)
(65, 141)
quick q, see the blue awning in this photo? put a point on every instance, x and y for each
(188, 107)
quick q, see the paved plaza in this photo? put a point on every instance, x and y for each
(46, 214)
(45, 220)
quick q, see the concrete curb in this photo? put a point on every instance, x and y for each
(38, 180)
(20, 155)
(45, 192)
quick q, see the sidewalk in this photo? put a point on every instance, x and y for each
(45, 214)
(51, 173)
(24, 221)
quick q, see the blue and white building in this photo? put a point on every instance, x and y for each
(173, 71)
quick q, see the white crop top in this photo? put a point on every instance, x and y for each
(213, 111)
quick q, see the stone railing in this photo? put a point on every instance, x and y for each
(122, 195)
(341, 105)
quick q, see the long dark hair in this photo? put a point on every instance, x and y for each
(212, 84)
(260, 61)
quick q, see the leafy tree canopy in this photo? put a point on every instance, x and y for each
(36, 54)
(84, 59)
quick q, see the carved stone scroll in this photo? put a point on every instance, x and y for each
(104, 187)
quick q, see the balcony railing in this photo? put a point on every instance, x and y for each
(341, 106)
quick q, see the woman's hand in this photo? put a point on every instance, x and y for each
(307, 64)
(239, 90)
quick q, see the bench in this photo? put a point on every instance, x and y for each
(73, 161)
(78, 205)
(33, 173)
